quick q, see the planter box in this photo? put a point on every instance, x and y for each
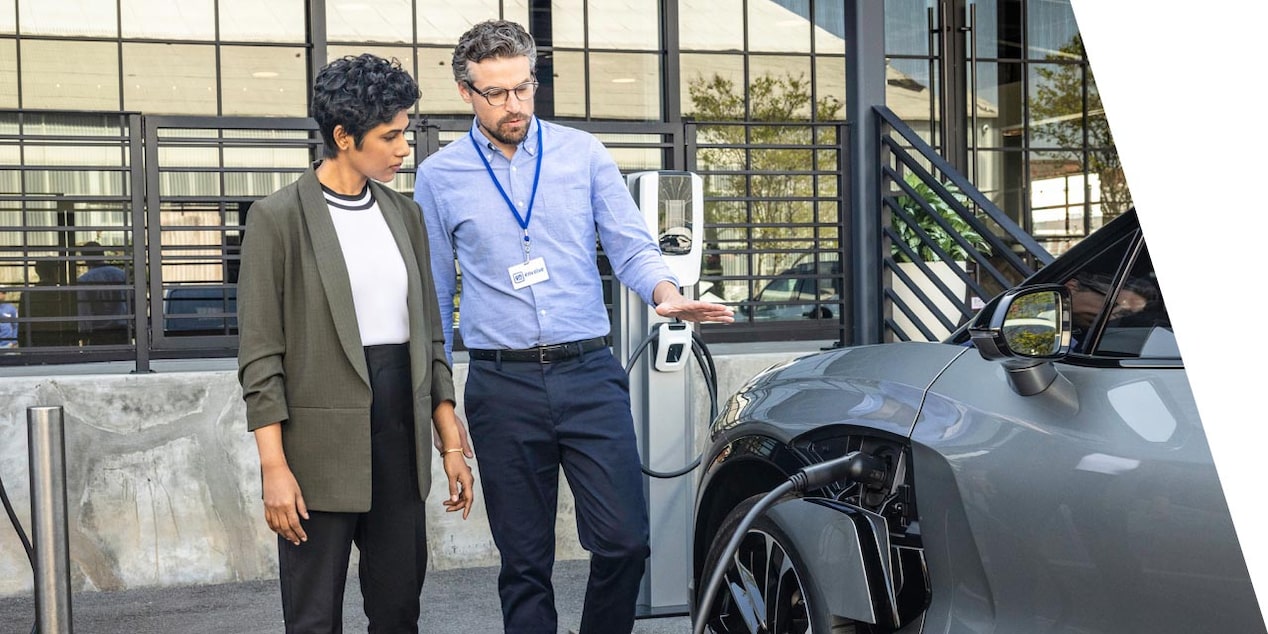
(946, 306)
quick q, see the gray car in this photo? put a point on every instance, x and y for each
(1042, 470)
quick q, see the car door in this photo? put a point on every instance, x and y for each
(1093, 506)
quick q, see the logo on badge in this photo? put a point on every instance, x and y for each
(517, 277)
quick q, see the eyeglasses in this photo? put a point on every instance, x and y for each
(497, 96)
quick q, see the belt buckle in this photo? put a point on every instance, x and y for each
(542, 357)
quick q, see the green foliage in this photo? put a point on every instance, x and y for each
(1033, 341)
(1031, 324)
(716, 99)
(1058, 103)
(925, 221)
(770, 98)
(1033, 305)
(779, 202)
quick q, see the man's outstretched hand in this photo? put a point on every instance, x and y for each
(672, 304)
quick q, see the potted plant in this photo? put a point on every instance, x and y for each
(944, 271)
(935, 231)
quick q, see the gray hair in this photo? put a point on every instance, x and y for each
(492, 39)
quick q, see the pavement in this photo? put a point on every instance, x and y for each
(462, 601)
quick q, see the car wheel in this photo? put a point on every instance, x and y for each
(768, 588)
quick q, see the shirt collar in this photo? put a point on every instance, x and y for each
(529, 144)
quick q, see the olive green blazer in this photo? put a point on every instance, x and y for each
(300, 358)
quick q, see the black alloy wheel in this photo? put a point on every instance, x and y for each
(767, 588)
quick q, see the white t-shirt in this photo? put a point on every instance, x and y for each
(375, 267)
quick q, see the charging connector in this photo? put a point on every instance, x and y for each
(673, 346)
(853, 465)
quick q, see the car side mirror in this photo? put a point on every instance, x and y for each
(1032, 322)
(1037, 324)
(1025, 329)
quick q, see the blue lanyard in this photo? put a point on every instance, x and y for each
(528, 214)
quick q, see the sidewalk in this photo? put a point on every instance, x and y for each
(458, 601)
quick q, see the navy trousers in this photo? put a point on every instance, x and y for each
(528, 419)
(391, 537)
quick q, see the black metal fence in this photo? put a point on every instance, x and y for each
(120, 233)
(950, 249)
(71, 212)
(168, 202)
(775, 227)
(202, 175)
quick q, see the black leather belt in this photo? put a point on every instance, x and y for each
(542, 354)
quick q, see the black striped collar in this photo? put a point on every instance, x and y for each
(356, 202)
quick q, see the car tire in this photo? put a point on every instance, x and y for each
(769, 563)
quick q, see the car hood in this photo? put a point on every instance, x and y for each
(877, 386)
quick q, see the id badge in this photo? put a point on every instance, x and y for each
(528, 273)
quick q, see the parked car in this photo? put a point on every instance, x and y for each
(1041, 470)
(809, 289)
(200, 311)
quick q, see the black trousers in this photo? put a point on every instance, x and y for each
(391, 537)
(527, 419)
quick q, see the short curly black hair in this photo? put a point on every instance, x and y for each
(359, 93)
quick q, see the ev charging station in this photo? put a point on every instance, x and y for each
(672, 203)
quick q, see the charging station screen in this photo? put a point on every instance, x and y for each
(674, 211)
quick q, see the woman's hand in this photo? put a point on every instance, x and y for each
(461, 496)
(464, 440)
(284, 504)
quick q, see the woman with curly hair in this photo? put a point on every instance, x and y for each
(342, 361)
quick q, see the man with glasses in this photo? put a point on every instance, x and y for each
(1088, 294)
(520, 202)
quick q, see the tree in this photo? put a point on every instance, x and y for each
(771, 154)
(1060, 94)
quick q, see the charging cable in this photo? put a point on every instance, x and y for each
(17, 526)
(703, 359)
(854, 465)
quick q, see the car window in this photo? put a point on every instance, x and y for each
(779, 289)
(1137, 324)
(1116, 306)
(805, 290)
(1089, 287)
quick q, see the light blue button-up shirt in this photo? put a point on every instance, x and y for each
(581, 196)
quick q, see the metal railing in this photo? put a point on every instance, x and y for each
(170, 197)
(71, 217)
(775, 219)
(203, 174)
(949, 248)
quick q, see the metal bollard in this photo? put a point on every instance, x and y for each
(46, 444)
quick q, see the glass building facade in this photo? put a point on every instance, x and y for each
(149, 126)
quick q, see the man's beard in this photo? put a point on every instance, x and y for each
(513, 138)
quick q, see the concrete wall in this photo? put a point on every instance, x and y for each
(163, 479)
